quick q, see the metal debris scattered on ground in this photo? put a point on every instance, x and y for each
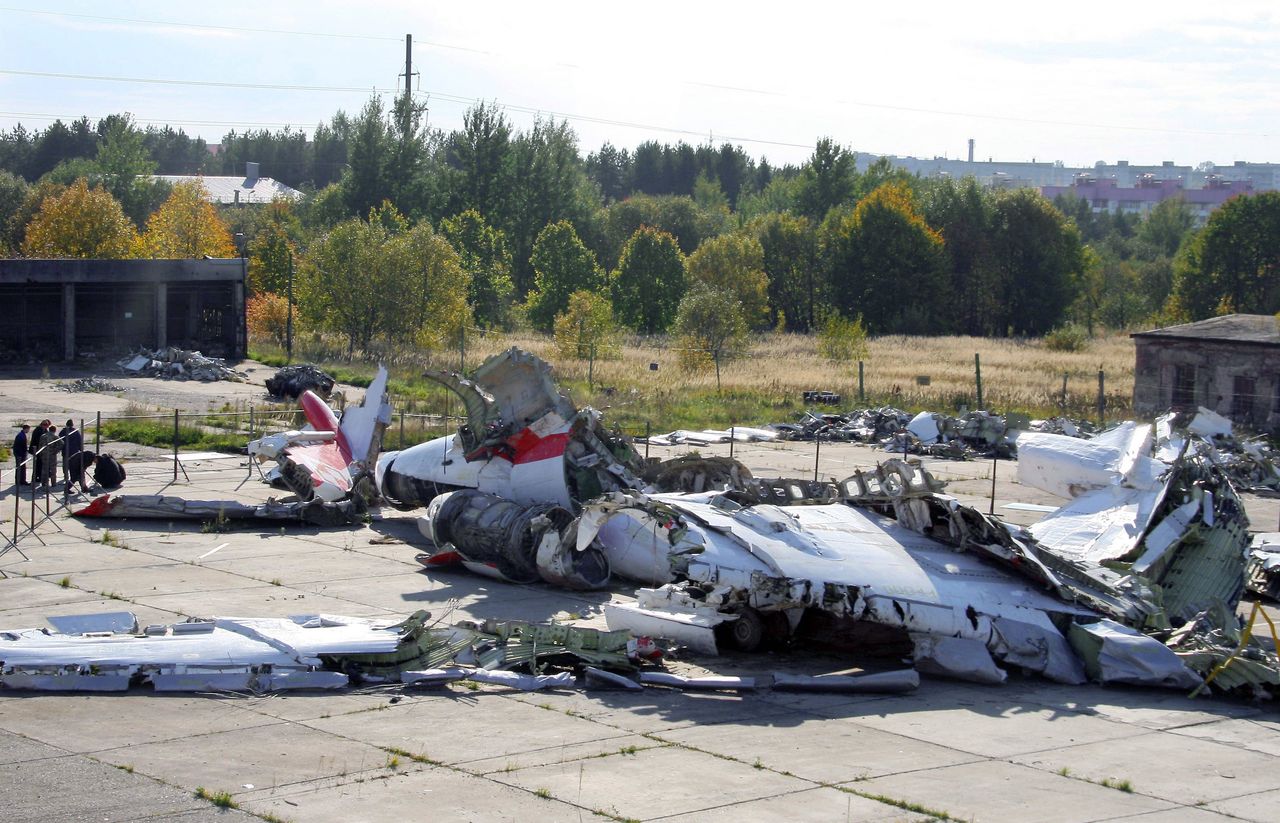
(111, 652)
(289, 382)
(970, 435)
(173, 363)
(88, 384)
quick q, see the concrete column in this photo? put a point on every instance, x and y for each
(68, 321)
(238, 312)
(162, 315)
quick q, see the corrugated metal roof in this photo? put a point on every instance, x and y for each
(1258, 329)
(230, 190)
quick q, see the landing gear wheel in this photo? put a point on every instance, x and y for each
(748, 631)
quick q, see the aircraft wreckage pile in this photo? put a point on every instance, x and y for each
(1135, 580)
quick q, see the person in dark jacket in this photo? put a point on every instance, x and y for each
(78, 466)
(72, 442)
(20, 444)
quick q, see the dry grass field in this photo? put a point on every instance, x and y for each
(765, 386)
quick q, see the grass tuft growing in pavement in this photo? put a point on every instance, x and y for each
(222, 800)
(1125, 785)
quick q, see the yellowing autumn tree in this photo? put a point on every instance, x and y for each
(188, 226)
(80, 222)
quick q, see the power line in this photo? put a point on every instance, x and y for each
(202, 83)
(611, 121)
(452, 98)
(242, 29)
(604, 121)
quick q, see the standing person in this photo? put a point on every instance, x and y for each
(38, 434)
(20, 453)
(72, 443)
(47, 460)
(77, 466)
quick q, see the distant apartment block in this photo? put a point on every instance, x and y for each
(1114, 187)
(1107, 195)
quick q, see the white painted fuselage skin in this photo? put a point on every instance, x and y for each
(442, 461)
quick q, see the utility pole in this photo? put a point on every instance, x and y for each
(408, 82)
(288, 327)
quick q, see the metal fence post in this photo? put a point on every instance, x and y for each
(862, 395)
(648, 429)
(817, 450)
(97, 435)
(733, 430)
(175, 445)
(1102, 398)
(977, 375)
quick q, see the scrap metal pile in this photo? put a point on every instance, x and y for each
(976, 434)
(88, 384)
(289, 382)
(173, 363)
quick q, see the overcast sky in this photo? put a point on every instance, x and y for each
(1077, 82)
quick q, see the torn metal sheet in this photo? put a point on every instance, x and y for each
(166, 507)
(255, 654)
(1113, 653)
(675, 681)
(602, 679)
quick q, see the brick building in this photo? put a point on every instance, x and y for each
(1230, 364)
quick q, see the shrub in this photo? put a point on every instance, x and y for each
(267, 316)
(1067, 337)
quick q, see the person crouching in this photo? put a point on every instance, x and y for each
(78, 466)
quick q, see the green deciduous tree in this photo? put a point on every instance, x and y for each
(676, 215)
(1233, 264)
(1034, 258)
(562, 265)
(271, 254)
(126, 167)
(1166, 226)
(650, 281)
(13, 192)
(735, 263)
(962, 212)
(80, 222)
(796, 286)
(885, 263)
(486, 258)
(586, 329)
(380, 279)
(841, 340)
(710, 328)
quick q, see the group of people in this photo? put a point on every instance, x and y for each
(39, 450)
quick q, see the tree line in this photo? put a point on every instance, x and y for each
(408, 229)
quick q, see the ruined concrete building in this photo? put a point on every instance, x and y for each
(1229, 364)
(61, 309)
